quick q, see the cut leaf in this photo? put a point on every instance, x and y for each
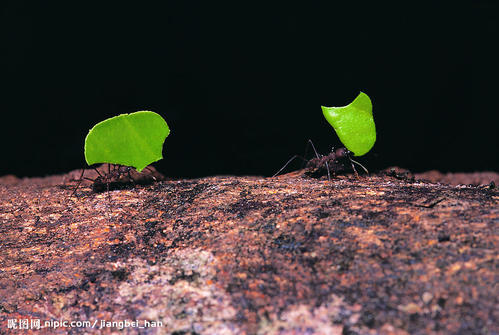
(134, 139)
(354, 124)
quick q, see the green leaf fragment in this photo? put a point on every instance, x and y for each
(134, 139)
(354, 124)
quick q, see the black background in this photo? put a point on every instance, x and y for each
(241, 84)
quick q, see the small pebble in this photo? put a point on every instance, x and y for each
(427, 296)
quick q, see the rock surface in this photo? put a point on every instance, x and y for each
(248, 255)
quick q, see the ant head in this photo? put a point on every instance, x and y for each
(342, 152)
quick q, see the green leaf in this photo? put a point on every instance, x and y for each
(354, 124)
(134, 139)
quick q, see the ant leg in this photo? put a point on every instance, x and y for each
(97, 171)
(289, 161)
(313, 147)
(79, 182)
(309, 143)
(362, 166)
(131, 178)
(318, 157)
(108, 196)
(354, 169)
(328, 173)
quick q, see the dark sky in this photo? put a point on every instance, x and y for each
(241, 84)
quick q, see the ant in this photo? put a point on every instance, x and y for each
(117, 177)
(333, 161)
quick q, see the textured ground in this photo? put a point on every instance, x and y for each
(249, 255)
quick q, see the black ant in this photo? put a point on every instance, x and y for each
(117, 177)
(334, 161)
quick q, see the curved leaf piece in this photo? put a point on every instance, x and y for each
(354, 124)
(134, 139)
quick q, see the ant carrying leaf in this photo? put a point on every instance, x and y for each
(354, 125)
(124, 142)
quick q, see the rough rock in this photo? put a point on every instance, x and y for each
(248, 255)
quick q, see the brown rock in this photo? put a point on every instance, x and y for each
(250, 255)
